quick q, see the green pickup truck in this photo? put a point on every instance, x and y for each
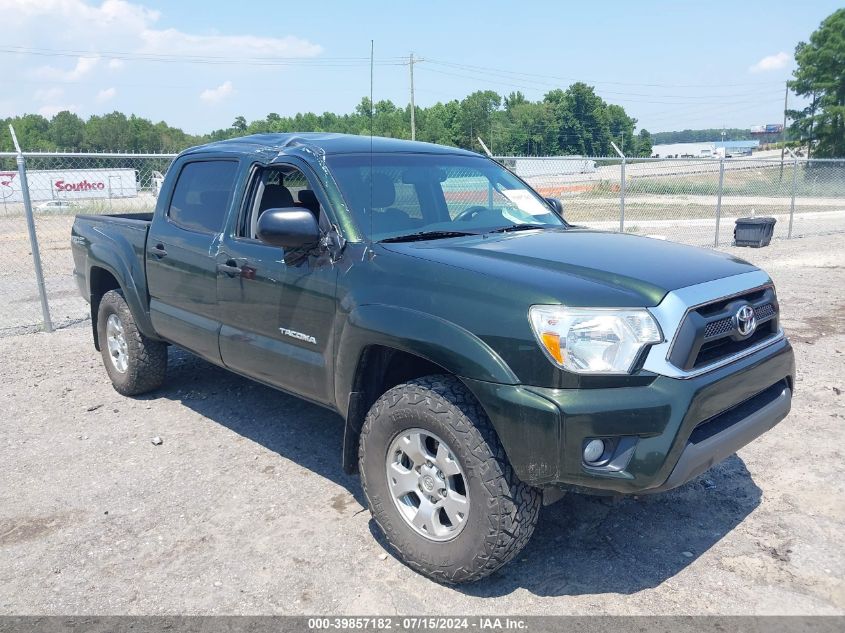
(485, 355)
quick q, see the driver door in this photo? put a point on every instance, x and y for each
(277, 319)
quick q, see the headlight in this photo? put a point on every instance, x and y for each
(593, 340)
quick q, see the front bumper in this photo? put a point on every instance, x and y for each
(674, 428)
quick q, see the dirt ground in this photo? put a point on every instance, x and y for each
(244, 509)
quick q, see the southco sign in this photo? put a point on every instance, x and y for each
(61, 185)
(70, 184)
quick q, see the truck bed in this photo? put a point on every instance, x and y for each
(113, 242)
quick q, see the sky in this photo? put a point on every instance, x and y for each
(198, 64)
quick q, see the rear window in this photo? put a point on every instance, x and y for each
(202, 195)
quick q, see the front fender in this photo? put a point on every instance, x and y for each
(441, 342)
(528, 425)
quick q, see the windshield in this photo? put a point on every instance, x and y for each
(442, 194)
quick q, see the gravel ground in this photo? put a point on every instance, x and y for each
(244, 509)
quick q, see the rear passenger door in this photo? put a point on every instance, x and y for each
(181, 254)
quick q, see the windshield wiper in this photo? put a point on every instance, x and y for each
(425, 235)
(518, 227)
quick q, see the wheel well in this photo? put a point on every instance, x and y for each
(380, 368)
(100, 282)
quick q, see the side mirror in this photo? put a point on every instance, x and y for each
(291, 227)
(556, 204)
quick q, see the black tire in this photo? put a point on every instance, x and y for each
(146, 359)
(502, 511)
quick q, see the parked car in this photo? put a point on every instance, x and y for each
(485, 355)
(56, 206)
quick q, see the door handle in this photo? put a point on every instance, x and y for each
(158, 250)
(230, 268)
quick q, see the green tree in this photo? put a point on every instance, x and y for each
(107, 133)
(32, 131)
(532, 130)
(621, 129)
(514, 99)
(644, 144)
(66, 131)
(820, 75)
(570, 121)
(476, 116)
(439, 123)
(582, 120)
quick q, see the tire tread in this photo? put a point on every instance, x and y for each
(148, 357)
(515, 506)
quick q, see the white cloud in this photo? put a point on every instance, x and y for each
(105, 95)
(110, 14)
(173, 42)
(771, 62)
(126, 26)
(50, 111)
(48, 94)
(84, 65)
(90, 30)
(215, 95)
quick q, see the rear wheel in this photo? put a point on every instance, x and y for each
(439, 484)
(135, 363)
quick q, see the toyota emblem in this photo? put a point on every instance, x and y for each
(746, 322)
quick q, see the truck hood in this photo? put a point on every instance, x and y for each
(582, 267)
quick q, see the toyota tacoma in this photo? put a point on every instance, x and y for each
(485, 355)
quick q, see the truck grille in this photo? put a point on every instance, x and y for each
(710, 333)
(726, 326)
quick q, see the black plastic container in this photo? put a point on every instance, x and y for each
(754, 232)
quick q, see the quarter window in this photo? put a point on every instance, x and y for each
(202, 195)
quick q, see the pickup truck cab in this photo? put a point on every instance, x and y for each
(484, 354)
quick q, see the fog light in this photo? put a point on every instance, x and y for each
(593, 451)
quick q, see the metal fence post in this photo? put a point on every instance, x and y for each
(719, 200)
(794, 186)
(621, 189)
(622, 199)
(33, 238)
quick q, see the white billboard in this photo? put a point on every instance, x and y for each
(70, 184)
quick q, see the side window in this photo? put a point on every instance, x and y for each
(275, 188)
(202, 195)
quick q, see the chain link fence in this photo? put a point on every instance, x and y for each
(60, 186)
(695, 201)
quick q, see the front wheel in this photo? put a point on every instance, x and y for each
(135, 363)
(439, 484)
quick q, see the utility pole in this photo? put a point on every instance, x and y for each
(783, 133)
(413, 118)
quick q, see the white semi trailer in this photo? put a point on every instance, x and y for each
(70, 184)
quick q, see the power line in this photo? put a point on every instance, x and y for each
(593, 81)
(699, 99)
(205, 59)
